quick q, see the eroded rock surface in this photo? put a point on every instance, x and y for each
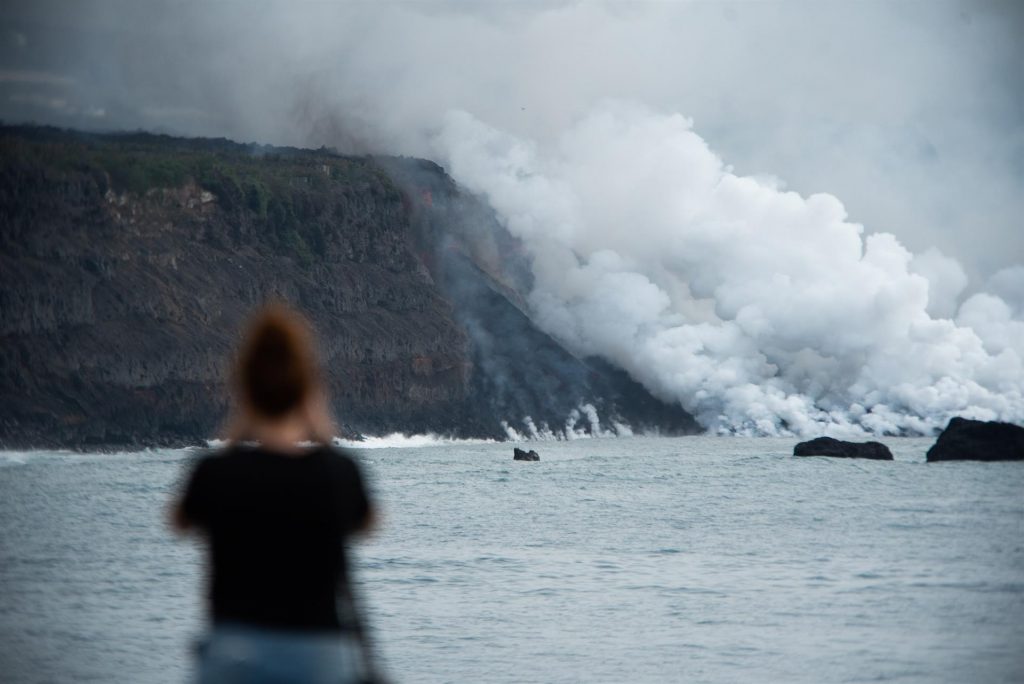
(521, 455)
(827, 446)
(976, 440)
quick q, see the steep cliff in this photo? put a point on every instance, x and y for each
(128, 262)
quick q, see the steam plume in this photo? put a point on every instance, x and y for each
(760, 310)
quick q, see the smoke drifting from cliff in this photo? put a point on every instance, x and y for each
(760, 310)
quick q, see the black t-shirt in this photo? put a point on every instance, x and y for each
(277, 524)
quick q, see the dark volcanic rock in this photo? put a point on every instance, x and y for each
(976, 440)
(129, 262)
(520, 455)
(827, 446)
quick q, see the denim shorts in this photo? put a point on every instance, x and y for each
(235, 653)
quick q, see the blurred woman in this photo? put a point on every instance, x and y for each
(276, 505)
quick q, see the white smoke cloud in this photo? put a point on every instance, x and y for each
(946, 281)
(759, 310)
(1008, 284)
(583, 422)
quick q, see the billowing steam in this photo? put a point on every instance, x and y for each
(760, 310)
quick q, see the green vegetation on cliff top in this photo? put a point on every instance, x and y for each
(264, 181)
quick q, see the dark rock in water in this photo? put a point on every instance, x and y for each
(977, 440)
(827, 446)
(520, 455)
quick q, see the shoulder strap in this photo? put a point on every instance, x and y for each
(352, 617)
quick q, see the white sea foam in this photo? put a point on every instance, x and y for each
(395, 440)
(398, 440)
(16, 458)
(12, 458)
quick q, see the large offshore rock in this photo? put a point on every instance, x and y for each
(976, 440)
(827, 446)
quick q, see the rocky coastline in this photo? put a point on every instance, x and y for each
(128, 263)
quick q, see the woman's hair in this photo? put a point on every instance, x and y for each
(276, 371)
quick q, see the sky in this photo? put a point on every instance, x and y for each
(786, 215)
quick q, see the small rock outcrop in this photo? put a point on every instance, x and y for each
(978, 440)
(827, 446)
(520, 455)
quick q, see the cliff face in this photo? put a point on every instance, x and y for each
(128, 263)
(517, 370)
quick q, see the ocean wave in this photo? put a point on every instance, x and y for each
(23, 457)
(398, 440)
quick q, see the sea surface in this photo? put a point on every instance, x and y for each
(698, 559)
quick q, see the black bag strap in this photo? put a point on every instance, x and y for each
(352, 617)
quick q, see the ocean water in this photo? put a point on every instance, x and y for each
(698, 559)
